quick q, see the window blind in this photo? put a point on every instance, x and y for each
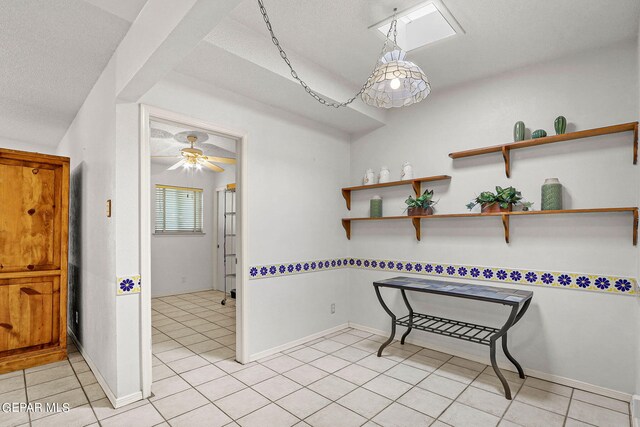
(178, 209)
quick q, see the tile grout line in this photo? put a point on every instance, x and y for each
(26, 393)
(566, 413)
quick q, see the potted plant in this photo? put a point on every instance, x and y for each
(422, 205)
(502, 200)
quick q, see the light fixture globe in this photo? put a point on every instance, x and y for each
(396, 82)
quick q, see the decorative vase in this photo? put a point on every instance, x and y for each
(560, 124)
(540, 133)
(420, 211)
(384, 175)
(369, 177)
(551, 195)
(407, 171)
(375, 207)
(518, 131)
(494, 208)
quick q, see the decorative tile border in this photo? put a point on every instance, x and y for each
(286, 269)
(556, 279)
(128, 285)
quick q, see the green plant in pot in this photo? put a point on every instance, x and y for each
(502, 200)
(422, 205)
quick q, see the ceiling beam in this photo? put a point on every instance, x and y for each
(162, 35)
(244, 42)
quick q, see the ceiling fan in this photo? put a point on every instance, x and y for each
(192, 157)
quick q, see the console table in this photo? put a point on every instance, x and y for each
(518, 301)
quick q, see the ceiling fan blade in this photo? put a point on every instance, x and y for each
(165, 157)
(177, 165)
(227, 160)
(213, 167)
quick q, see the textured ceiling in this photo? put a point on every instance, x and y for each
(500, 34)
(52, 54)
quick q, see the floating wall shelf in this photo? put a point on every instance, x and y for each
(415, 183)
(415, 220)
(505, 149)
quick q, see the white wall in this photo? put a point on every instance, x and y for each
(294, 170)
(90, 143)
(586, 337)
(183, 263)
(27, 146)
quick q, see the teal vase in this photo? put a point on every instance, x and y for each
(518, 131)
(375, 207)
(540, 133)
(551, 195)
(560, 124)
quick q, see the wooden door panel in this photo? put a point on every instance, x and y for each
(26, 314)
(28, 217)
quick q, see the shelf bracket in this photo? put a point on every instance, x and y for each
(347, 227)
(416, 188)
(416, 225)
(635, 227)
(505, 224)
(635, 144)
(506, 155)
(347, 197)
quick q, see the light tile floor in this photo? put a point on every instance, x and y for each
(333, 381)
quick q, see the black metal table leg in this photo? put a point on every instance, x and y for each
(406, 302)
(510, 357)
(492, 350)
(393, 321)
(504, 340)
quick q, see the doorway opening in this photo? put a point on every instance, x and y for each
(191, 302)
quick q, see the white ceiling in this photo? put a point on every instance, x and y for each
(500, 34)
(334, 35)
(216, 145)
(52, 54)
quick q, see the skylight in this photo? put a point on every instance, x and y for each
(423, 25)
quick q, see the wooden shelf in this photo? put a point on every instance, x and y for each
(415, 183)
(505, 149)
(415, 220)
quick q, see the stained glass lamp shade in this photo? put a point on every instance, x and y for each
(396, 82)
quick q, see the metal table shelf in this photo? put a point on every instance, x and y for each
(518, 300)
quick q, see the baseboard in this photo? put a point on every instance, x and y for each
(508, 367)
(635, 410)
(117, 402)
(291, 344)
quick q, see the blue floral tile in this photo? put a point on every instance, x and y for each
(127, 285)
(576, 281)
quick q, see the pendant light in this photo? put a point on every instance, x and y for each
(394, 82)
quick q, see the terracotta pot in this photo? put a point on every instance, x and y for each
(494, 208)
(419, 211)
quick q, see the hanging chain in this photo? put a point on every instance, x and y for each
(322, 100)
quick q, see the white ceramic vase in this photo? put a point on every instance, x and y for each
(384, 176)
(407, 171)
(369, 177)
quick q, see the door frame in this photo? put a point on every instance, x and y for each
(147, 113)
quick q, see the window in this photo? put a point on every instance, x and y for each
(178, 209)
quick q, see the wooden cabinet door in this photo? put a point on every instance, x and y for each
(30, 216)
(26, 313)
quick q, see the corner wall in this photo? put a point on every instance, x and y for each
(90, 143)
(566, 332)
(294, 170)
